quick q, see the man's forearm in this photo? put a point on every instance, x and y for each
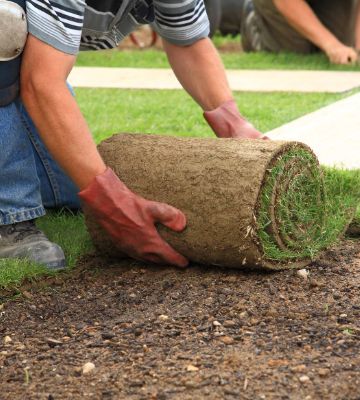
(201, 72)
(302, 18)
(55, 112)
(199, 69)
(65, 132)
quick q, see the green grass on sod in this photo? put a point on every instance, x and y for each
(304, 208)
(164, 112)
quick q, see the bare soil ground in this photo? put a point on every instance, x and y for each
(162, 333)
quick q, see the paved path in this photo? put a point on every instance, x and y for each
(240, 80)
(333, 132)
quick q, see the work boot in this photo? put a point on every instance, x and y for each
(24, 240)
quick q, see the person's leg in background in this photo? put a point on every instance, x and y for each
(263, 28)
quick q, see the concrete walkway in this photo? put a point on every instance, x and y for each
(240, 80)
(333, 132)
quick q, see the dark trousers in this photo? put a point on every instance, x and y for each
(266, 29)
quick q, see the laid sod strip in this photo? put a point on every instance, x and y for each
(156, 111)
(343, 193)
(248, 203)
(15, 271)
(152, 58)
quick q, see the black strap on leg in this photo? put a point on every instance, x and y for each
(9, 94)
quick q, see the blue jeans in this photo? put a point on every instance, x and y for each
(30, 180)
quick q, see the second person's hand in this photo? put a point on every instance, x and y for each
(341, 54)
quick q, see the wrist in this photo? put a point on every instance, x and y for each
(85, 178)
(227, 122)
(225, 102)
(330, 44)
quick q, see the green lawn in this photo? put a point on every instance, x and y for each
(173, 112)
(152, 58)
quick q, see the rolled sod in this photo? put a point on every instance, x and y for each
(249, 204)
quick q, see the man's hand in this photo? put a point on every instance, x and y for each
(130, 220)
(340, 54)
(227, 122)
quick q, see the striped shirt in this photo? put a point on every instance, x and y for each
(70, 25)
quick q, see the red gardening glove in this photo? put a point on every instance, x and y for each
(130, 219)
(227, 122)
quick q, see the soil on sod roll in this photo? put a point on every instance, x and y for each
(248, 203)
(200, 333)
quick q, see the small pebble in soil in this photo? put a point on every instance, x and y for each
(107, 335)
(226, 340)
(162, 317)
(314, 283)
(53, 342)
(303, 273)
(304, 379)
(342, 319)
(323, 372)
(7, 339)
(136, 383)
(88, 367)
(191, 368)
(299, 368)
(229, 324)
(27, 295)
(216, 323)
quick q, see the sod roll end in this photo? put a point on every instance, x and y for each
(249, 204)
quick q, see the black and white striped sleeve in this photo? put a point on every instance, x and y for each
(181, 22)
(58, 23)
